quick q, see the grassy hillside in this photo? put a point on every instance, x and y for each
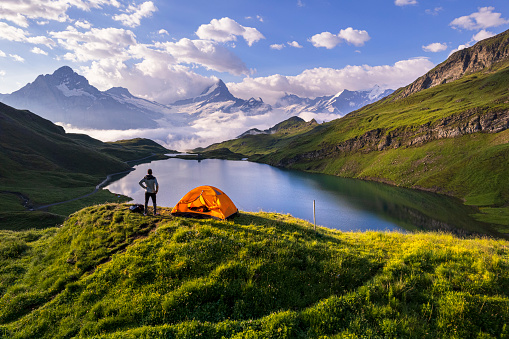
(451, 139)
(108, 273)
(42, 163)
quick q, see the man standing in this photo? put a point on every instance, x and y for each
(151, 188)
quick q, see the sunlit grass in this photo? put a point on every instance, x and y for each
(111, 273)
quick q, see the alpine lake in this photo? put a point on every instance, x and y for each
(340, 203)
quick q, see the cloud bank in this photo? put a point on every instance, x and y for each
(328, 81)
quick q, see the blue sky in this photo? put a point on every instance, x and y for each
(169, 50)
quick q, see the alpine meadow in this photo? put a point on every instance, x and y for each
(152, 81)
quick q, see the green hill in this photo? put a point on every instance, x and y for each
(41, 164)
(110, 273)
(447, 132)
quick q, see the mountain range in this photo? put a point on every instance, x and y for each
(68, 98)
(447, 132)
(342, 103)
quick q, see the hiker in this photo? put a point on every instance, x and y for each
(151, 188)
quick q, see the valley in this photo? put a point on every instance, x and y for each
(450, 138)
(432, 159)
(44, 165)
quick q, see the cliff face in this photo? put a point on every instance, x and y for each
(468, 122)
(482, 55)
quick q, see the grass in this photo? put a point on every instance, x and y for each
(109, 273)
(471, 167)
(47, 165)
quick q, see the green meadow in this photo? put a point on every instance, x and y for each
(473, 167)
(46, 165)
(111, 273)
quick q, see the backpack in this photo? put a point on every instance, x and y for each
(137, 208)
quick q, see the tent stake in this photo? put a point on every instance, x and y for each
(314, 214)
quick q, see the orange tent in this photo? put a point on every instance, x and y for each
(205, 202)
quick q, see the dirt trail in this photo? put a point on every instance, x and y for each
(29, 205)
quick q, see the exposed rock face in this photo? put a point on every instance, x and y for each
(482, 55)
(468, 122)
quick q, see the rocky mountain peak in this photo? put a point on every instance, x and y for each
(120, 91)
(63, 71)
(483, 54)
(218, 92)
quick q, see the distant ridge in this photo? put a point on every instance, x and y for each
(482, 55)
(67, 97)
(341, 103)
(217, 97)
(447, 132)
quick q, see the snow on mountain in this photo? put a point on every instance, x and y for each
(218, 98)
(67, 97)
(123, 96)
(341, 103)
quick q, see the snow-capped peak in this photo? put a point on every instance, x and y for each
(375, 92)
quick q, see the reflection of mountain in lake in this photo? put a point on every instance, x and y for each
(410, 209)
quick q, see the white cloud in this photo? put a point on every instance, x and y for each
(300, 3)
(163, 32)
(37, 50)
(134, 14)
(350, 35)
(20, 12)
(17, 57)
(460, 47)
(226, 29)
(11, 33)
(484, 18)
(434, 11)
(435, 47)
(2, 54)
(277, 46)
(95, 44)
(83, 24)
(2, 72)
(325, 39)
(405, 2)
(327, 81)
(205, 53)
(354, 36)
(162, 71)
(215, 127)
(481, 35)
(294, 44)
(258, 17)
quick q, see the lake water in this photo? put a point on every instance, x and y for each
(344, 204)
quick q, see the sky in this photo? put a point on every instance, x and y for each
(166, 50)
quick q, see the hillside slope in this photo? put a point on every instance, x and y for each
(109, 273)
(41, 164)
(451, 138)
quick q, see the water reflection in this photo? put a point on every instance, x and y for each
(344, 204)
